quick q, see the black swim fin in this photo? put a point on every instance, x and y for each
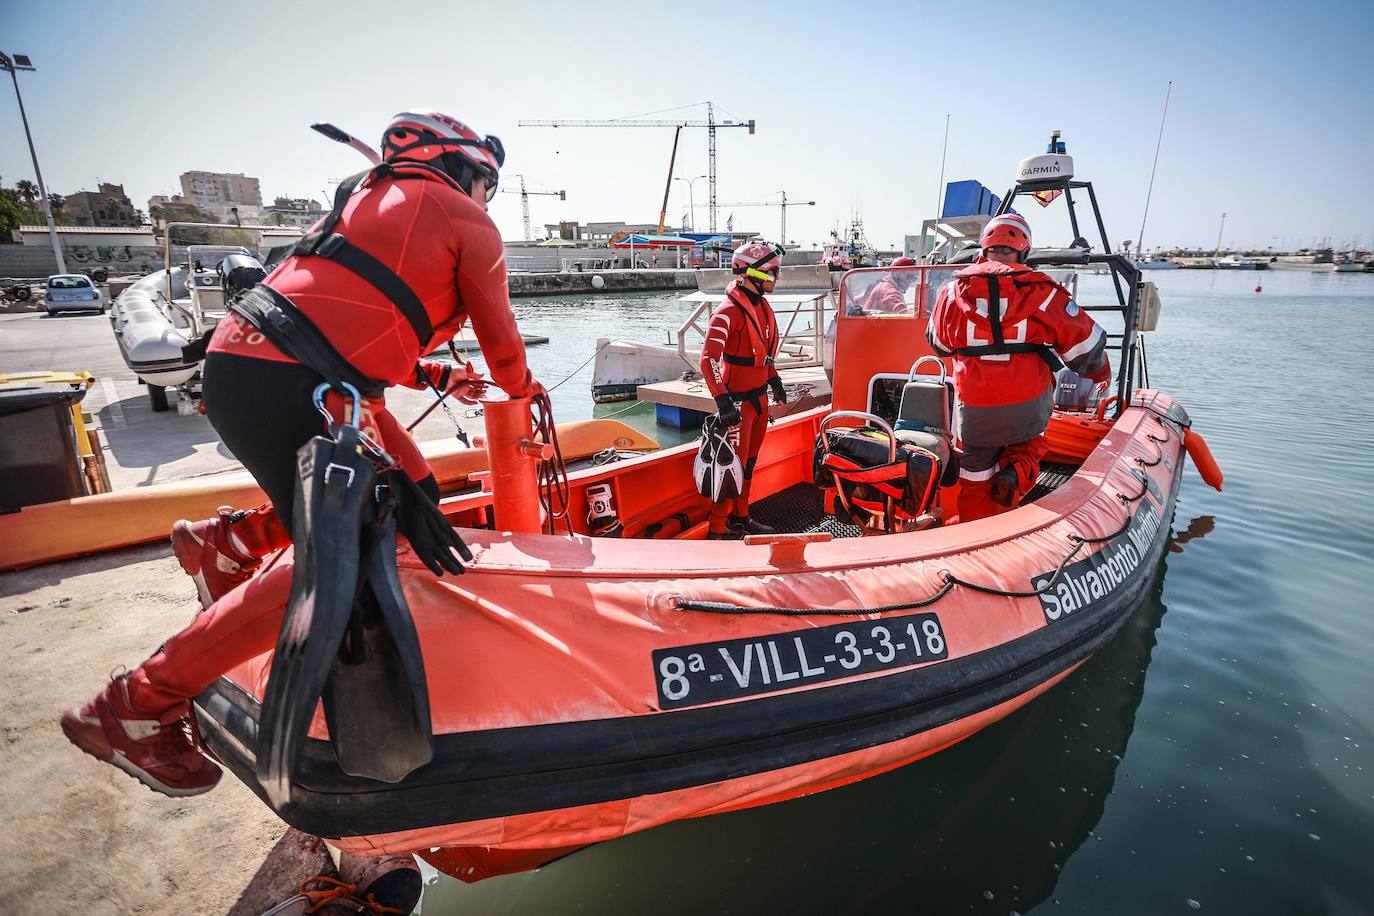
(334, 489)
(376, 701)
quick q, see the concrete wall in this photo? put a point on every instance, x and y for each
(613, 281)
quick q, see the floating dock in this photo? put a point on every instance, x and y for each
(685, 403)
(466, 342)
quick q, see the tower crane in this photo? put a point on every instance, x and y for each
(781, 204)
(710, 124)
(525, 201)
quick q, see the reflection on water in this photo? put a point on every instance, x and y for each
(1237, 778)
(1198, 528)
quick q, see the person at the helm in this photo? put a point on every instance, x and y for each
(888, 295)
(407, 256)
(1005, 325)
(737, 364)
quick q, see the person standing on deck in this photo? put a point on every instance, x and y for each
(737, 365)
(1008, 327)
(405, 259)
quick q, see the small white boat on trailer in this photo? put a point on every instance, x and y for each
(160, 314)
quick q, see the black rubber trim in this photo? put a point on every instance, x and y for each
(162, 365)
(503, 772)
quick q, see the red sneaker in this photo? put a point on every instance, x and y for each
(157, 750)
(207, 553)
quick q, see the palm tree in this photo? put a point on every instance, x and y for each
(27, 190)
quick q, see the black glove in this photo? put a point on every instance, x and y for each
(726, 410)
(779, 392)
(419, 519)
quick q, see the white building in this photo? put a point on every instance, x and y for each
(221, 193)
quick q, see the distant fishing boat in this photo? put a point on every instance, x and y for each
(1236, 262)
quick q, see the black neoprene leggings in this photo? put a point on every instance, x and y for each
(264, 411)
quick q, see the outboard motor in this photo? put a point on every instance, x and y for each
(239, 273)
(1074, 392)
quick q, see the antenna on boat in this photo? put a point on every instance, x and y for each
(1140, 237)
(940, 188)
(342, 136)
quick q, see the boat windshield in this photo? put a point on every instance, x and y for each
(207, 257)
(885, 291)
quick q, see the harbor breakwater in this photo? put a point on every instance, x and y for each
(561, 283)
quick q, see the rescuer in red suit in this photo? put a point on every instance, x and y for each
(415, 258)
(1006, 325)
(737, 364)
(888, 295)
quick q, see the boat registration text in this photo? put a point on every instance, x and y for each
(733, 668)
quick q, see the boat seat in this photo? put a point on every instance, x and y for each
(879, 481)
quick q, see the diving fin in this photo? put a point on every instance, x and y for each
(376, 701)
(334, 488)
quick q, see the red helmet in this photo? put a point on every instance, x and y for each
(759, 260)
(445, 143)
(903, 262)
(1009, 229)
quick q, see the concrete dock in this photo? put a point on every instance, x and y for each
(143, 447)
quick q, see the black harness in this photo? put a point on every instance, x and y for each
(288, 328)
(999, 345)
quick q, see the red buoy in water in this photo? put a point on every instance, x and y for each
(1259, 288)
(1202, 458)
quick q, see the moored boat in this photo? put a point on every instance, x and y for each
(582, 688)
(159, 315)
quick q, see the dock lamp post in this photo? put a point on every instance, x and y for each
(13, 64)
(691, 203)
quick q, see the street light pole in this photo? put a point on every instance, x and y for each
(13, 65)
(691, 202)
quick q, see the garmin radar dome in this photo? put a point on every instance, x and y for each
(1054, 165)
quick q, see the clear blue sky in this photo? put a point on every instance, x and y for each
(1270, 119)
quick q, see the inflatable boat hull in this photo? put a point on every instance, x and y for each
(575, 699)
(149, 332)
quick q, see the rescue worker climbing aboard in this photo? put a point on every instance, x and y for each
(377, 320)
(407, 256)
(1008, 327)
(737, 363)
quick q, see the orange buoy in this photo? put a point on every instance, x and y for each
(1202, 458)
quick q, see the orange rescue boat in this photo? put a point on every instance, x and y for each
(582, 687)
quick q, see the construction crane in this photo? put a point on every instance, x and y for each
(710, 124)
(781, 204)
(525, 201)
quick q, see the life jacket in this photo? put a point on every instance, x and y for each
(1010, 286)
(292, 332)
(757, 347)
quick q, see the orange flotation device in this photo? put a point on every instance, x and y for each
(1202, 458)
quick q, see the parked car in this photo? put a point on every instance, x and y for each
(72, 292)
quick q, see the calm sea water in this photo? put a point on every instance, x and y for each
(1217, 757)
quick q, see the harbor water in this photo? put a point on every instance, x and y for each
(1218, 757)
